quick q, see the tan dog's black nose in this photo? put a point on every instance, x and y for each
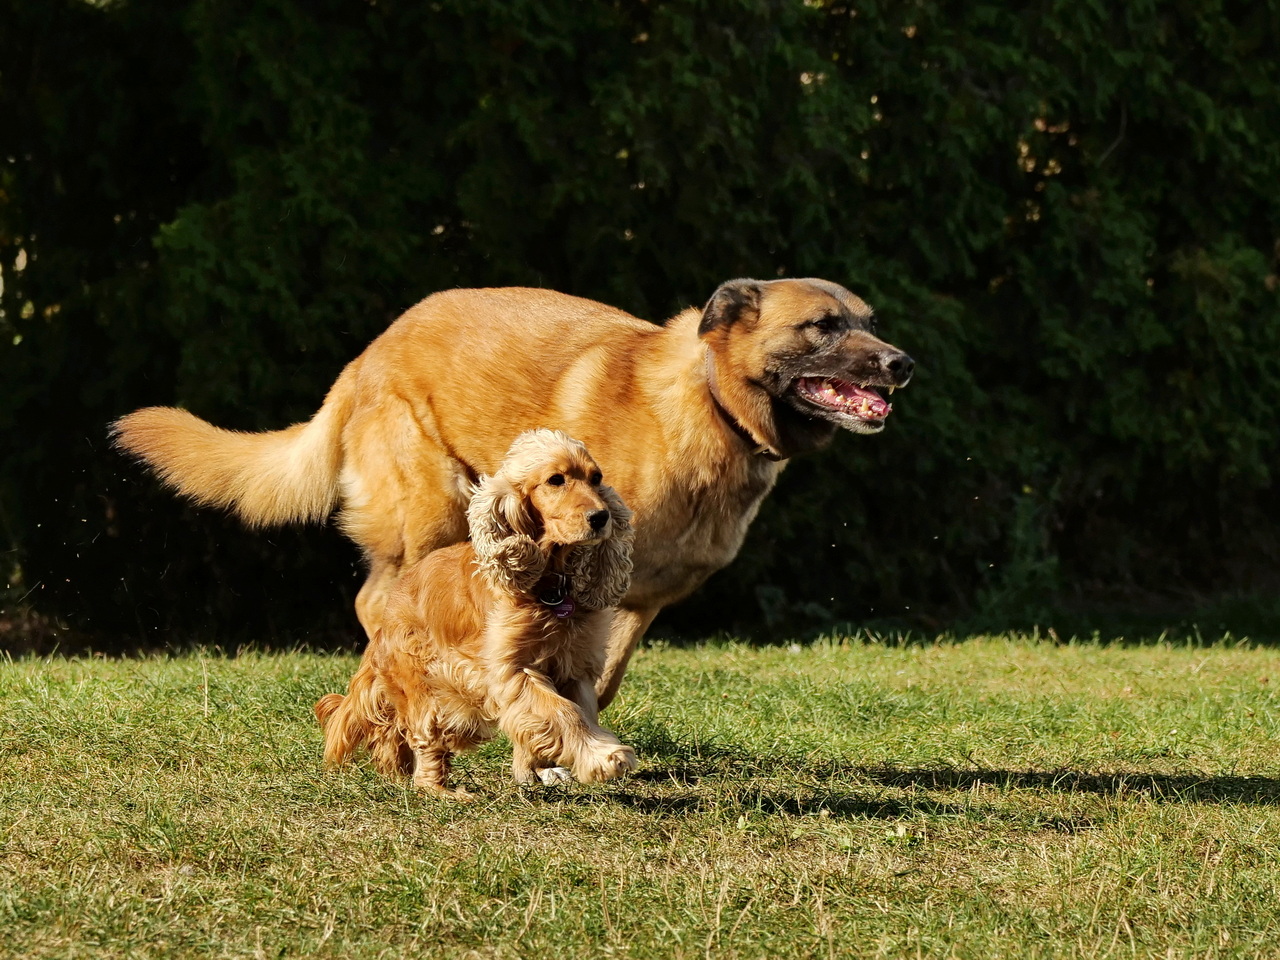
(598, 519)
(898, 365)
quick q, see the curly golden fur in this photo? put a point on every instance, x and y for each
(507, 630)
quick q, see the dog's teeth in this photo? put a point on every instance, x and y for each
(891, 389)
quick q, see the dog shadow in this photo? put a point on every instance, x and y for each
(768, 801)
(1157, 787)
(797, 787)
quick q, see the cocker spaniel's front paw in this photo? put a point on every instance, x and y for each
(607, 762)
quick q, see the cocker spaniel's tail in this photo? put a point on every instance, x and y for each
(358, 719)
(344, 730)
(267, 478)
(327, 706)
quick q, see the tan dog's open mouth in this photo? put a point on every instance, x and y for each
(842, 396)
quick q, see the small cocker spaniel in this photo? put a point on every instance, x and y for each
(509, 629)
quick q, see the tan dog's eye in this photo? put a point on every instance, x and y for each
(556, 479)
(595, 478)
(826, 324)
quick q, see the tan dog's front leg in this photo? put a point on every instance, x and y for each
(542, 723)
(627, 629)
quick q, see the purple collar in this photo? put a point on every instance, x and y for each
(553, 591)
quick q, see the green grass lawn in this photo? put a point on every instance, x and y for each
(994, 798)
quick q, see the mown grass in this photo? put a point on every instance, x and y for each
(1000, 797)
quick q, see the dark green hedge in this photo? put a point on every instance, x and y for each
(1068, 212)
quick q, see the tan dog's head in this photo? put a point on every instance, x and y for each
(548, 492)
(794, 359)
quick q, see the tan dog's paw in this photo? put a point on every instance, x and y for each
(609, 762)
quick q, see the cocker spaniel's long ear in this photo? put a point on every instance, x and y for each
(500, 525)
(602, 573)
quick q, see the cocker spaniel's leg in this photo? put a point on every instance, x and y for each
(606, 745)
(526, 768)
(432, 756)
(530, 769)
(542, 723)
(432, 764)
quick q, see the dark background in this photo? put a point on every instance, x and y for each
(1068, 213)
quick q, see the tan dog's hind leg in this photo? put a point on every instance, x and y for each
(403, 496)
(371, 601)
(542, 723)
(627, 629)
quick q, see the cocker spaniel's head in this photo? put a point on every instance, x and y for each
(550, 493)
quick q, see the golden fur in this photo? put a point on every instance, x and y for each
(692, 421)
(470, 637)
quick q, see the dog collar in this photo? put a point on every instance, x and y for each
(757, 448)
(555, 595)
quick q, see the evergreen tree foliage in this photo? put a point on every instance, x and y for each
(1067, 212)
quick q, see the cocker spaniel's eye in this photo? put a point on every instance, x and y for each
(556, 479)
(595, 478)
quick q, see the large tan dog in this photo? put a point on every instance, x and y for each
(691, 420)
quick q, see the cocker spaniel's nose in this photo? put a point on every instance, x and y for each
(598, 520)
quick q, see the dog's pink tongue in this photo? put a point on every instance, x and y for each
(869, 402)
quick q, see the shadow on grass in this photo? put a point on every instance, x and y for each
(797, 785)
(737, 787)
(775, 800)
(1132, 621)
(1165, 788)
(684, 763)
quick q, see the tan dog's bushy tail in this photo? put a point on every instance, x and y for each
(266, 478)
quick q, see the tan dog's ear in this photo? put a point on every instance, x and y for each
(731, 301)
(505, 553)
(602, 573)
